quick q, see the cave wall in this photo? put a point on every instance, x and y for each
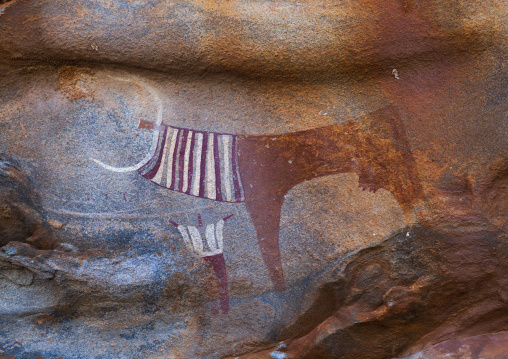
(359, 170)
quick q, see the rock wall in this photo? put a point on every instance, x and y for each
(253, 179)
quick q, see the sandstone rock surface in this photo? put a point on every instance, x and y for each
(253, 179)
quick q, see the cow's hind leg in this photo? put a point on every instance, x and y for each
(265, 215)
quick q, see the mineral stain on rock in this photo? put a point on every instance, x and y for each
(72, 81)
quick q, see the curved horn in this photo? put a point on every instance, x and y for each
(155, 137)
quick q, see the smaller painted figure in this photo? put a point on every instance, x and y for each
(211, 250)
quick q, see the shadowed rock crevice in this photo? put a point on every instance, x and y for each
(21, 218)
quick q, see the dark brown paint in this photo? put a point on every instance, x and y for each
(374, 147)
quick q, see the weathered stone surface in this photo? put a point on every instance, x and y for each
(20, 211)
(488, 346)
(403, 99)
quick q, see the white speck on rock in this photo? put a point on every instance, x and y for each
(395, 74)
(276, 354)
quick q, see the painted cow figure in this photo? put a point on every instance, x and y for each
(261, 169)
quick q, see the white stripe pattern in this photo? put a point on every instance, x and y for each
(210, 169)
(169, 169)
(186, 162)
(182, 164)
(214, 239)
(227, 175)
(198, 148)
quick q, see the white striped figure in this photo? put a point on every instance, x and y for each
(213, 243)
(211, 250)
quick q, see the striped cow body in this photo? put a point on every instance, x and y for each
(198, 163)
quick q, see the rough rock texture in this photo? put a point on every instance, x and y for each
(488, 346)
(344, 162)
(404, 294)
(21, 218)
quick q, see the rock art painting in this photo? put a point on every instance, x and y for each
(259, 170)
(210, 247)
(272, 179)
